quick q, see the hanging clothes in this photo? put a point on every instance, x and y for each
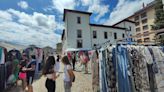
(129, 69)
(110, 74)
(159, 59)
(123, 77)
(95, 72)
(3, 53)
(15, 53)
(2, 77)
(2, 56)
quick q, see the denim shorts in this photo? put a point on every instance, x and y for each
(67, 86)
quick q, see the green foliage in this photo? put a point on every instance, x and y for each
(159, 12)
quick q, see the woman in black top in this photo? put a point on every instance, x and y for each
(49, 72)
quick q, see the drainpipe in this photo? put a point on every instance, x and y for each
(91, 36)
(90, 33)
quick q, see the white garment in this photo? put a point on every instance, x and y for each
(57, 66)
(49, 76)
(66, 75)
(40, 55)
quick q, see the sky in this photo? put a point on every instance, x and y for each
(39, 22)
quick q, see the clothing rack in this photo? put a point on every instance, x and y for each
(98, 46)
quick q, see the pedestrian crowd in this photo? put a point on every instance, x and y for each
(25, 66)
(25, 71)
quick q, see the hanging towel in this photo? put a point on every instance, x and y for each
(0, 55)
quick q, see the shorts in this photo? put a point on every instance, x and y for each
(29, 80)
(67, 86)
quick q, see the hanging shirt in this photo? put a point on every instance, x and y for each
(2, 60)
(0, 54)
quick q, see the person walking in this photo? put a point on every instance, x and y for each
(30, 71)
(69, 76)
(50, 73)
(22, 74)
(57, 65)
(73, 60)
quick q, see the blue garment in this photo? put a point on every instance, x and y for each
(1, 54)
(103, 82)
(122, 64)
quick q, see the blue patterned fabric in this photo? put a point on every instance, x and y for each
(123, 78)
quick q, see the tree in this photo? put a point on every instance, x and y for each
(159, 12)
(159, 20)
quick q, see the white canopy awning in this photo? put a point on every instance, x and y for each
(76, 49)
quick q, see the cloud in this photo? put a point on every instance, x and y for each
(124, 9)
(96, 7)
(5, 16)
(23, 4)
(86, 2)
(60, 5)
(49, 9)
(36, 28)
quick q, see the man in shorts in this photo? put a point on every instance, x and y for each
(30, 71)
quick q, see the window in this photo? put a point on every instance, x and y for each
(131, 38)
(136, 18)
(105, 35)
(78, 20)
(146, 39)
(138, 35)
(144, 21)
(94, 34)
(139, 40)
(137, 23)
(115, 35)
(130, 28)
(145, 27)
(146, 33)
(94, 44)
(123, 35)
(79, 34)
(79, 43)
(143, 15)
(138, 29)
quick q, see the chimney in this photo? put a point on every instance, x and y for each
(143, 5)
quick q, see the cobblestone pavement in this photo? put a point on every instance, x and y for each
(81, 84)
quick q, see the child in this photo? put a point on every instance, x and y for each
(68, 74)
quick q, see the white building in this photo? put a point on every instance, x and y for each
(80, 34)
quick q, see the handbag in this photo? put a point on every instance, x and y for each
(73, 80)
(22, 75)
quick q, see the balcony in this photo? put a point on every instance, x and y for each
(144, 15)
(146, 33)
